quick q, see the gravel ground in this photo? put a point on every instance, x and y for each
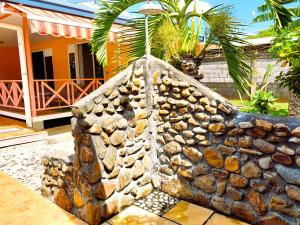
(157, 202)
(23, 162)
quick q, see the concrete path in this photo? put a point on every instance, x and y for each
(20, 205)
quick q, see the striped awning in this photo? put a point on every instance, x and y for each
(47, 22)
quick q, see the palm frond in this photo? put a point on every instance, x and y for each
(294, 25)
(263, 8)
(238, 69)
(107, 15)
(263, 17)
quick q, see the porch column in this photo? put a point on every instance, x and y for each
(24, 78)
(23, 66)
(29, 65)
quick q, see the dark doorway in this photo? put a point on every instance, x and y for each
(38, 65)
(49, 70)
(98, 69)
(87, 61)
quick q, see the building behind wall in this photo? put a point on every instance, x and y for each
(216, 75)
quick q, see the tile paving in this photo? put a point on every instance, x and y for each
(20, 205)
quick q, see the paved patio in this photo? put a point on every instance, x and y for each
(20, 205)
(182, 213)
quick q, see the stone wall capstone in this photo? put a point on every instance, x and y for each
(191, 143)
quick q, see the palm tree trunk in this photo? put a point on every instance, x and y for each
(294, 105)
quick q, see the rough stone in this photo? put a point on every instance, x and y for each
(234, 194)
(221, 205)
(202, 116)
(272, 219)
(293, 192)
(259, 185)
(138, 169)
(140, 126)
(256, 132)
(216, 127)
(230, 141)
(238, 181)
(256, 201)
(295, 140)
(282, 204)
(180, 126)
(172, 148)
(201, 198)
(263, 124)
(86, 154)
(199, 130)
(221, 186)
(92, 213)
(285, 149)
(251, 170)
(232, 164)
(265, 162)
(180, 139)
(166, 170)
(264, 146)
(250, 152)
(175, 160)
(213, 158)
(206, 183)
(244, 212)
(77, 198)
(225, 150)
(177, 187)
(200, 169)
(192, 153)
(296, 132)
(118, 137)
(245, 125)
(61, 198)
(186, 173)
(104, 189)
(235, 132)
(109, 125)
(93, 172)
(110, 158)
(245, 142)
(222, 174)
(282, 158)
(188, 134)
(124, 178)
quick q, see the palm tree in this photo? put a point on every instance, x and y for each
(285, 45)
(277, 11)
(222, 28)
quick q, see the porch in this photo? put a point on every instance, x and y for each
(47, 63)
(51, 98)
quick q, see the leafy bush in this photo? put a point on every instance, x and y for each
(287, 48)
(262, 101)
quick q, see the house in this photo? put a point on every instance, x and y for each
(45, 60)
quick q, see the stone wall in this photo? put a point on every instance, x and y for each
(186, 140)
(57, 178)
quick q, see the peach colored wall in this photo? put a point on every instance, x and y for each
(60, 56)
(9, 64)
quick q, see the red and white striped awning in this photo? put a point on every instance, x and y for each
(46, 22)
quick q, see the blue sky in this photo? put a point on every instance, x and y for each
(245, 10)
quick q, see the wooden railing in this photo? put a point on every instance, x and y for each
(48, 94)
(11, 94)
(62, 93)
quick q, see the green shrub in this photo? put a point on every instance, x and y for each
(262, 101)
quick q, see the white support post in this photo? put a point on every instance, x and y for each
(23, 66)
